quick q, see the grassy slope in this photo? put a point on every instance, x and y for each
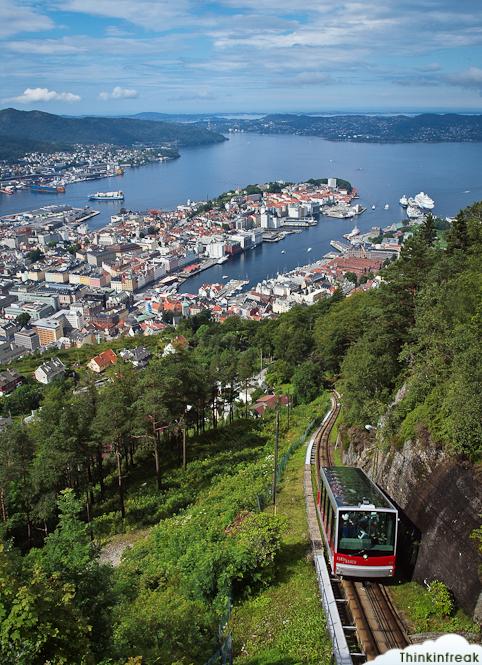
(415, 602)
(284, 623)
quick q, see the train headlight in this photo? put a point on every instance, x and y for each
(365, 556)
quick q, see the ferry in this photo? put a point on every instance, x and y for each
(404, 201)
(107, 196)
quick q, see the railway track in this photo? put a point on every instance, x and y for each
(368, 609)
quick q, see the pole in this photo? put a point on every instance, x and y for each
(276, 443)
(184, 444)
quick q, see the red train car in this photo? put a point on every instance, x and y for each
(359, 523)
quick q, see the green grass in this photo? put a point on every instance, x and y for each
(284, 624)
(415, 602)
(338, 451)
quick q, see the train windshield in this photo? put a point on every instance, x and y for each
(370, 533)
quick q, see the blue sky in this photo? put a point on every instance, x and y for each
(126, 56)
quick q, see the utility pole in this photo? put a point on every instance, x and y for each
(276, 444)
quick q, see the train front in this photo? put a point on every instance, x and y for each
(366, 542)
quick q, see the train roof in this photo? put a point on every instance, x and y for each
(350, 486)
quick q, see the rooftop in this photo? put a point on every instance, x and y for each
(352, 487)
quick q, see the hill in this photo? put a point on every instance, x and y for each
(32, 125)
(426, 127)
(12, 149)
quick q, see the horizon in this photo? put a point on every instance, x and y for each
(229, 56)
(251, 113)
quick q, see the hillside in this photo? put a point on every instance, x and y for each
(426, 127)
(108, 460)
(37, 125)
(11, 149)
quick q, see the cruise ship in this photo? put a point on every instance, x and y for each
(107, 196)
(424, 201)
(353, 233)
(413, 212)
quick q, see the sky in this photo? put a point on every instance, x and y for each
(127, 56)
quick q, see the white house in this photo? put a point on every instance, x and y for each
(49, 371)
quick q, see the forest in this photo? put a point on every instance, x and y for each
(172, 448)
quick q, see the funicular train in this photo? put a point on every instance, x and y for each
(359, 523)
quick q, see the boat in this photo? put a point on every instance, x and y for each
(7, 190)
(222, 260)
(283, 251)
(373, 207)
(404, 201)
(424, 201)
(309, 249)
(225, 276)
(413, 212)
(386, 206)
(48, 189)
(107, 196)
(353, 233)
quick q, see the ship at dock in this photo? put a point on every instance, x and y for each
(107, 196)
(48, 189)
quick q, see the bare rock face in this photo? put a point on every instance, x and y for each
(442, 496)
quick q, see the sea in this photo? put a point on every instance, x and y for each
(448, 172)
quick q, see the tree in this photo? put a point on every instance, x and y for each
(351, 277)
(35, 255)
(16, 490)
(246, 368)
(306, 382)
(23, 319)
(427, 230)
(40, 623)
(457, 236)
(70, 556)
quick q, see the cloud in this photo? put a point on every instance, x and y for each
(469, 78)
(119, 93)
(36, 95)
(443, 650)
(16, 17)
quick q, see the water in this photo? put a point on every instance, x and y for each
(448, 172)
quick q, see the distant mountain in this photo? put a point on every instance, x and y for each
(426, 127)
(46, 127)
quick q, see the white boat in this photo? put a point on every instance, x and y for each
(386, 206)
(283, 251)
(413, 212)
(353, 233)
(225, 276)
(404, 201)
(424, 201)
(223, 259)
(373, 207)
(309, 249)
(107, 196)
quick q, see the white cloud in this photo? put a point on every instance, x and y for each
(35, 95)
(119, 93)
(16, 17)
(443, 650)
(469, 78)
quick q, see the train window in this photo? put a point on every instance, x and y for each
(329, 512)
(366, 532)
(332, 530)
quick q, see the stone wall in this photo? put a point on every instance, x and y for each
(443, 498)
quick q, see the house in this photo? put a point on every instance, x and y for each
(179, 343)
(101, 362)
(9, 380)
(139, 356)
(50, 371)
(269, 402)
